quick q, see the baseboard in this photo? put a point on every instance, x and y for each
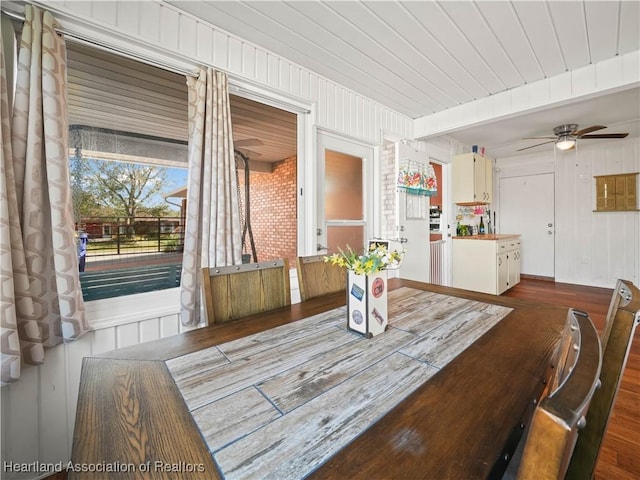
(537, 277)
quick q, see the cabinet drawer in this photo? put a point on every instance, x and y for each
(513, 245)
(501, 247)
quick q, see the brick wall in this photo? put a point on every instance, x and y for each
(274, 212)
(389, 180)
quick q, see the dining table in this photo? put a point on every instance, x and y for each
(445, 392)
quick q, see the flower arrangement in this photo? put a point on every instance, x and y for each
(377, 258)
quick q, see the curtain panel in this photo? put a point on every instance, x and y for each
(213, 232)
(41, 297)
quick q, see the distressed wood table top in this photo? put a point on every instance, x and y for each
(293, 394)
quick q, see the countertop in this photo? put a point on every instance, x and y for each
(492, 236)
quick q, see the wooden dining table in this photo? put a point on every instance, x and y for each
(444, 393)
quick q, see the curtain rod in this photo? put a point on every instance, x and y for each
(78, 38)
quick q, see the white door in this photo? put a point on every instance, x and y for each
(413, 221)
(345, 174)
(527, 208)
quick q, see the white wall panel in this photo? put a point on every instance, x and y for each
(204, 43)
(149, 330)
(221, 50)
(107, 11)
(234, 64)
(187, 36)
(128, 19)
(169, 28)
(127, 335)
(149, 20)
(53, 391)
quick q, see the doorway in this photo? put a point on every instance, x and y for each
(527, 207)
(413, 218)
(343, 200)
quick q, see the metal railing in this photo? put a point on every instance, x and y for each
(119, 237)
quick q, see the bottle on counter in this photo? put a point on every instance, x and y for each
(481, 230)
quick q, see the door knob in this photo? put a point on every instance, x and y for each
(549, 224)
(321, 247)
(403, 240)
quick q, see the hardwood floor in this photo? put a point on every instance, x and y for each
(620, 454)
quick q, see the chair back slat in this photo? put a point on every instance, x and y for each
(317, 277)
(241, 290)
(621, 322)
(558, 417)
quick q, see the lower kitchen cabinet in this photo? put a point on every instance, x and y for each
(486, 263)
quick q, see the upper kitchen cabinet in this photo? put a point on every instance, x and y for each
(472, 179)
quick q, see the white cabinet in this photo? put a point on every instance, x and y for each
(513, 263)
(486, 265)
(502, 265)
(472, 179)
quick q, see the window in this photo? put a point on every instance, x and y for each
(128, 156)
(616, 193)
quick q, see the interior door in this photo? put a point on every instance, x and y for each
(413, 221)
(344, 194)
(527, 208)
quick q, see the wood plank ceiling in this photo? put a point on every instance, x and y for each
(421, 57)
(424, 57)
(110, 92)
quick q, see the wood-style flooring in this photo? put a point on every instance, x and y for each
(620, 454)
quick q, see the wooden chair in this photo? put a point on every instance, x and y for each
(317, 277)
(558, 417)
(622, 320)
(241, 290)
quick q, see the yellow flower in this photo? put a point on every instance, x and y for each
(376, 258)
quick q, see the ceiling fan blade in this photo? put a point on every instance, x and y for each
(249, 142)
(593, 128)
(606, 135)
(537, 145)
(538, 138)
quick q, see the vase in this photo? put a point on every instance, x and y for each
(367, 303)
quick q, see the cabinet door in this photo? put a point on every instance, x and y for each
(513, 270)
(463, 179)
(502, 269)
(488, 180)
(480, 180)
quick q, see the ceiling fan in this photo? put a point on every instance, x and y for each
(567, 135)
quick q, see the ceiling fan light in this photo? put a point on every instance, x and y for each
(565, 142)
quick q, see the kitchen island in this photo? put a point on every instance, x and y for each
(486, 263)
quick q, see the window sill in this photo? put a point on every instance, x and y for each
(110, 312)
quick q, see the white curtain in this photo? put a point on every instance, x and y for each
(213, 237)
(41, 296)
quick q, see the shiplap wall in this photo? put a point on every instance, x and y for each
(591, 248)
(38, 412)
